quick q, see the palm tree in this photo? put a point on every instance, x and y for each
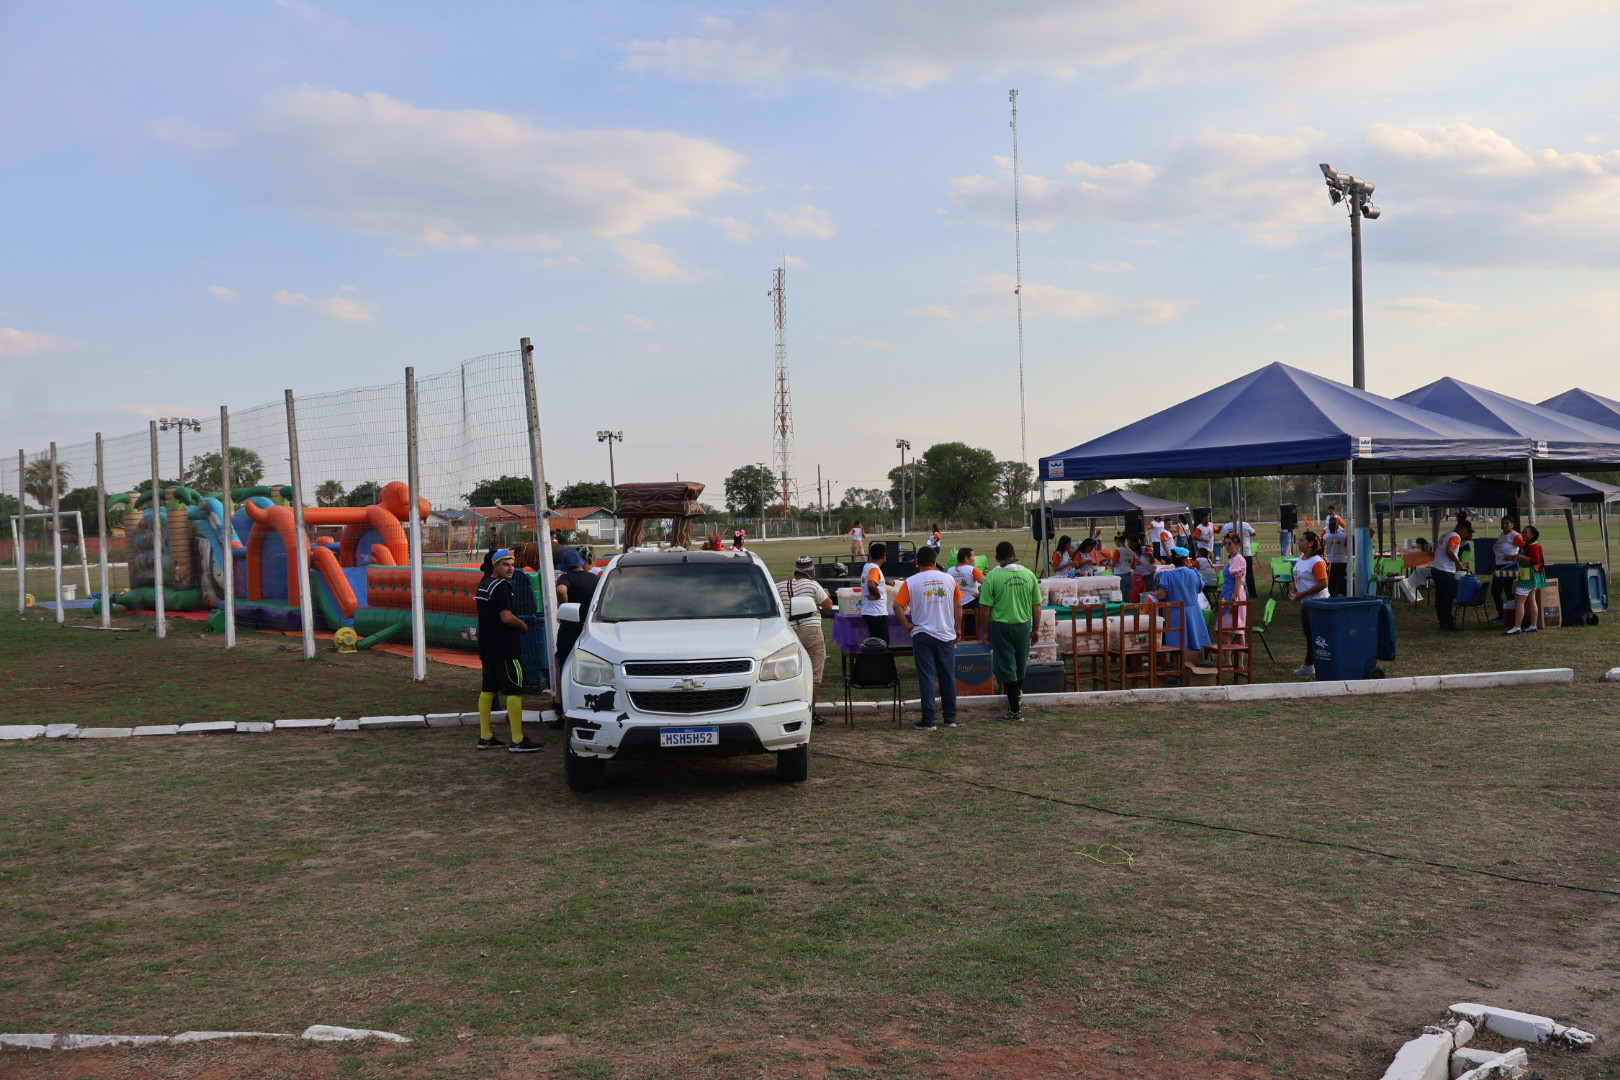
(37, 479)
(330, 493)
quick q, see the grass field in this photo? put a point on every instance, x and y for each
(914, 910)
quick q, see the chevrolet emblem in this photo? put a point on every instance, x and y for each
(688, 684)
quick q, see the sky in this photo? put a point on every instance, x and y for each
(209, 203)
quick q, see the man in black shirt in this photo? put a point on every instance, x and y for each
(500, 650)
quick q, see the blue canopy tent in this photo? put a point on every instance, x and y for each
(1280, 419)
(1115, 502)
(1588, 406)
(1579, 489)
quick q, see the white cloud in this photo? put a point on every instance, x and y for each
(1604, 303)
(804, 220)
(636, 322)
(735, 230)
(856, 341)
(14, 342)
(460, 178)
(653, 262)
(793, 261)
(1267, 185)
(908, 44)
(1113, 267)
(986, 297)
(224, 293)
(338, 306)
(1427, 311)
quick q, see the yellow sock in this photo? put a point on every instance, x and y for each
(514, 716)
(486, 703)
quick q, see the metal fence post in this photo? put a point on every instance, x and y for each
(101, 535)
(542, 532)
(306, 602)
(56, 538)
(19, 534)
(229, 569)
(160, 627)
(412, 481)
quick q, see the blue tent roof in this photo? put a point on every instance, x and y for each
(1588, 406)
(1280, 419)
(1114, 502)
(1557, 437)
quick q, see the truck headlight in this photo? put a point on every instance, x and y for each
(781, 664)
(587, 669)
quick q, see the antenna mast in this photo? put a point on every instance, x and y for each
(1018, 282)
(782, 419)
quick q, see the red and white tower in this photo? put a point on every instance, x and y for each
(782, 408)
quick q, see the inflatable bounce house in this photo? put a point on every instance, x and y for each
(359, 579)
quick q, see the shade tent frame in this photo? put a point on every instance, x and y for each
(1116, 502)
(1280, 420)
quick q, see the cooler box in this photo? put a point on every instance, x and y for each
(1351, 634)
(972, 667)
(1044, 677)
(1583, 591)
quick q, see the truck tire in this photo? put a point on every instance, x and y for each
(793, 766)
(582, 773)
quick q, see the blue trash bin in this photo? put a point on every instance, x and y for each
(1351, 634)
(1583, 591)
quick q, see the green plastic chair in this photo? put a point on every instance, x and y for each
(1282, 574)
(982, 561)
(1260, 630)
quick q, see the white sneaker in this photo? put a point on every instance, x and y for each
(1507, 633)
(1305, 669)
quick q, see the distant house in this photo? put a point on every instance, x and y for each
(507, 518)
(597, 522)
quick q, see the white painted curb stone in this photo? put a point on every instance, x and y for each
(326, 1033)
(158, 729)
(443, 719)
(285, 725)
(58, 731)
(1521, 1027)
(103, 733)
(1500, 1065)
(253, 727)
(1427, 1057)
(1612, 675)
(345, 725)
(374, 723)
(22, 731)
(209, 1036)
(208, 727)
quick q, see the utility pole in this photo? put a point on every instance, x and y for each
(822, 527)
(611, 437)
(1018, 281)
(902, 445)
(180, 425)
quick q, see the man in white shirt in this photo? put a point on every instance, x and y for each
(808, 627)
(929, 604)
(1443, 572)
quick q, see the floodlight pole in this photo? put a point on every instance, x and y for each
(902, 445)
(1357, 192)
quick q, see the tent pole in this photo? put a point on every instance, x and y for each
(1352, 507)
(1040, 548)
(1569, 519)
(1603, 527)
(1530, 465)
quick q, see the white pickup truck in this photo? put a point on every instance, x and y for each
(680, 653)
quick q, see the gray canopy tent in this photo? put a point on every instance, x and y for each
(1476, 492)
(1580, 490)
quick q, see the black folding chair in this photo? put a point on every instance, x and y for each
(873, 668)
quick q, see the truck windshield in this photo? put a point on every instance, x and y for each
(686, 591)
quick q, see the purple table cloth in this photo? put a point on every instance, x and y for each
(850, 630)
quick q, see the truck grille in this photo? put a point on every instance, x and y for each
(687, 702)
(688, 668)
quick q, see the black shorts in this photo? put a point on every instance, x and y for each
(502, 676)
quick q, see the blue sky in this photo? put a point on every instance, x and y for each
(209, 203)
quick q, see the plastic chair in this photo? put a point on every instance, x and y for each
(1389, 571)
(1476, 603)
(1282, 575)
(1259, 630)
(1088, 644)
(1234, 644)
(871, 670)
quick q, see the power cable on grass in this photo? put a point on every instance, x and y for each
(1218, 828)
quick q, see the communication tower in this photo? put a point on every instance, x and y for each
(782, 409)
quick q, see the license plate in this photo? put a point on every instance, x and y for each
(689, 736)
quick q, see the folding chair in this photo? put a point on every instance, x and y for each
(1476, 603)
(1133, 649)
(1260, 629)
(1088, 645)
(1389, 572)
(1234, 644)
(874, 670)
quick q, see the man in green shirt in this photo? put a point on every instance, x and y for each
(1012, 595)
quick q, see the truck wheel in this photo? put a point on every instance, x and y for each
(793, 766)
(582, 773)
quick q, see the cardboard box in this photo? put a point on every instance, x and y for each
(1199, 675)
(1552, 611)
(972, 668)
